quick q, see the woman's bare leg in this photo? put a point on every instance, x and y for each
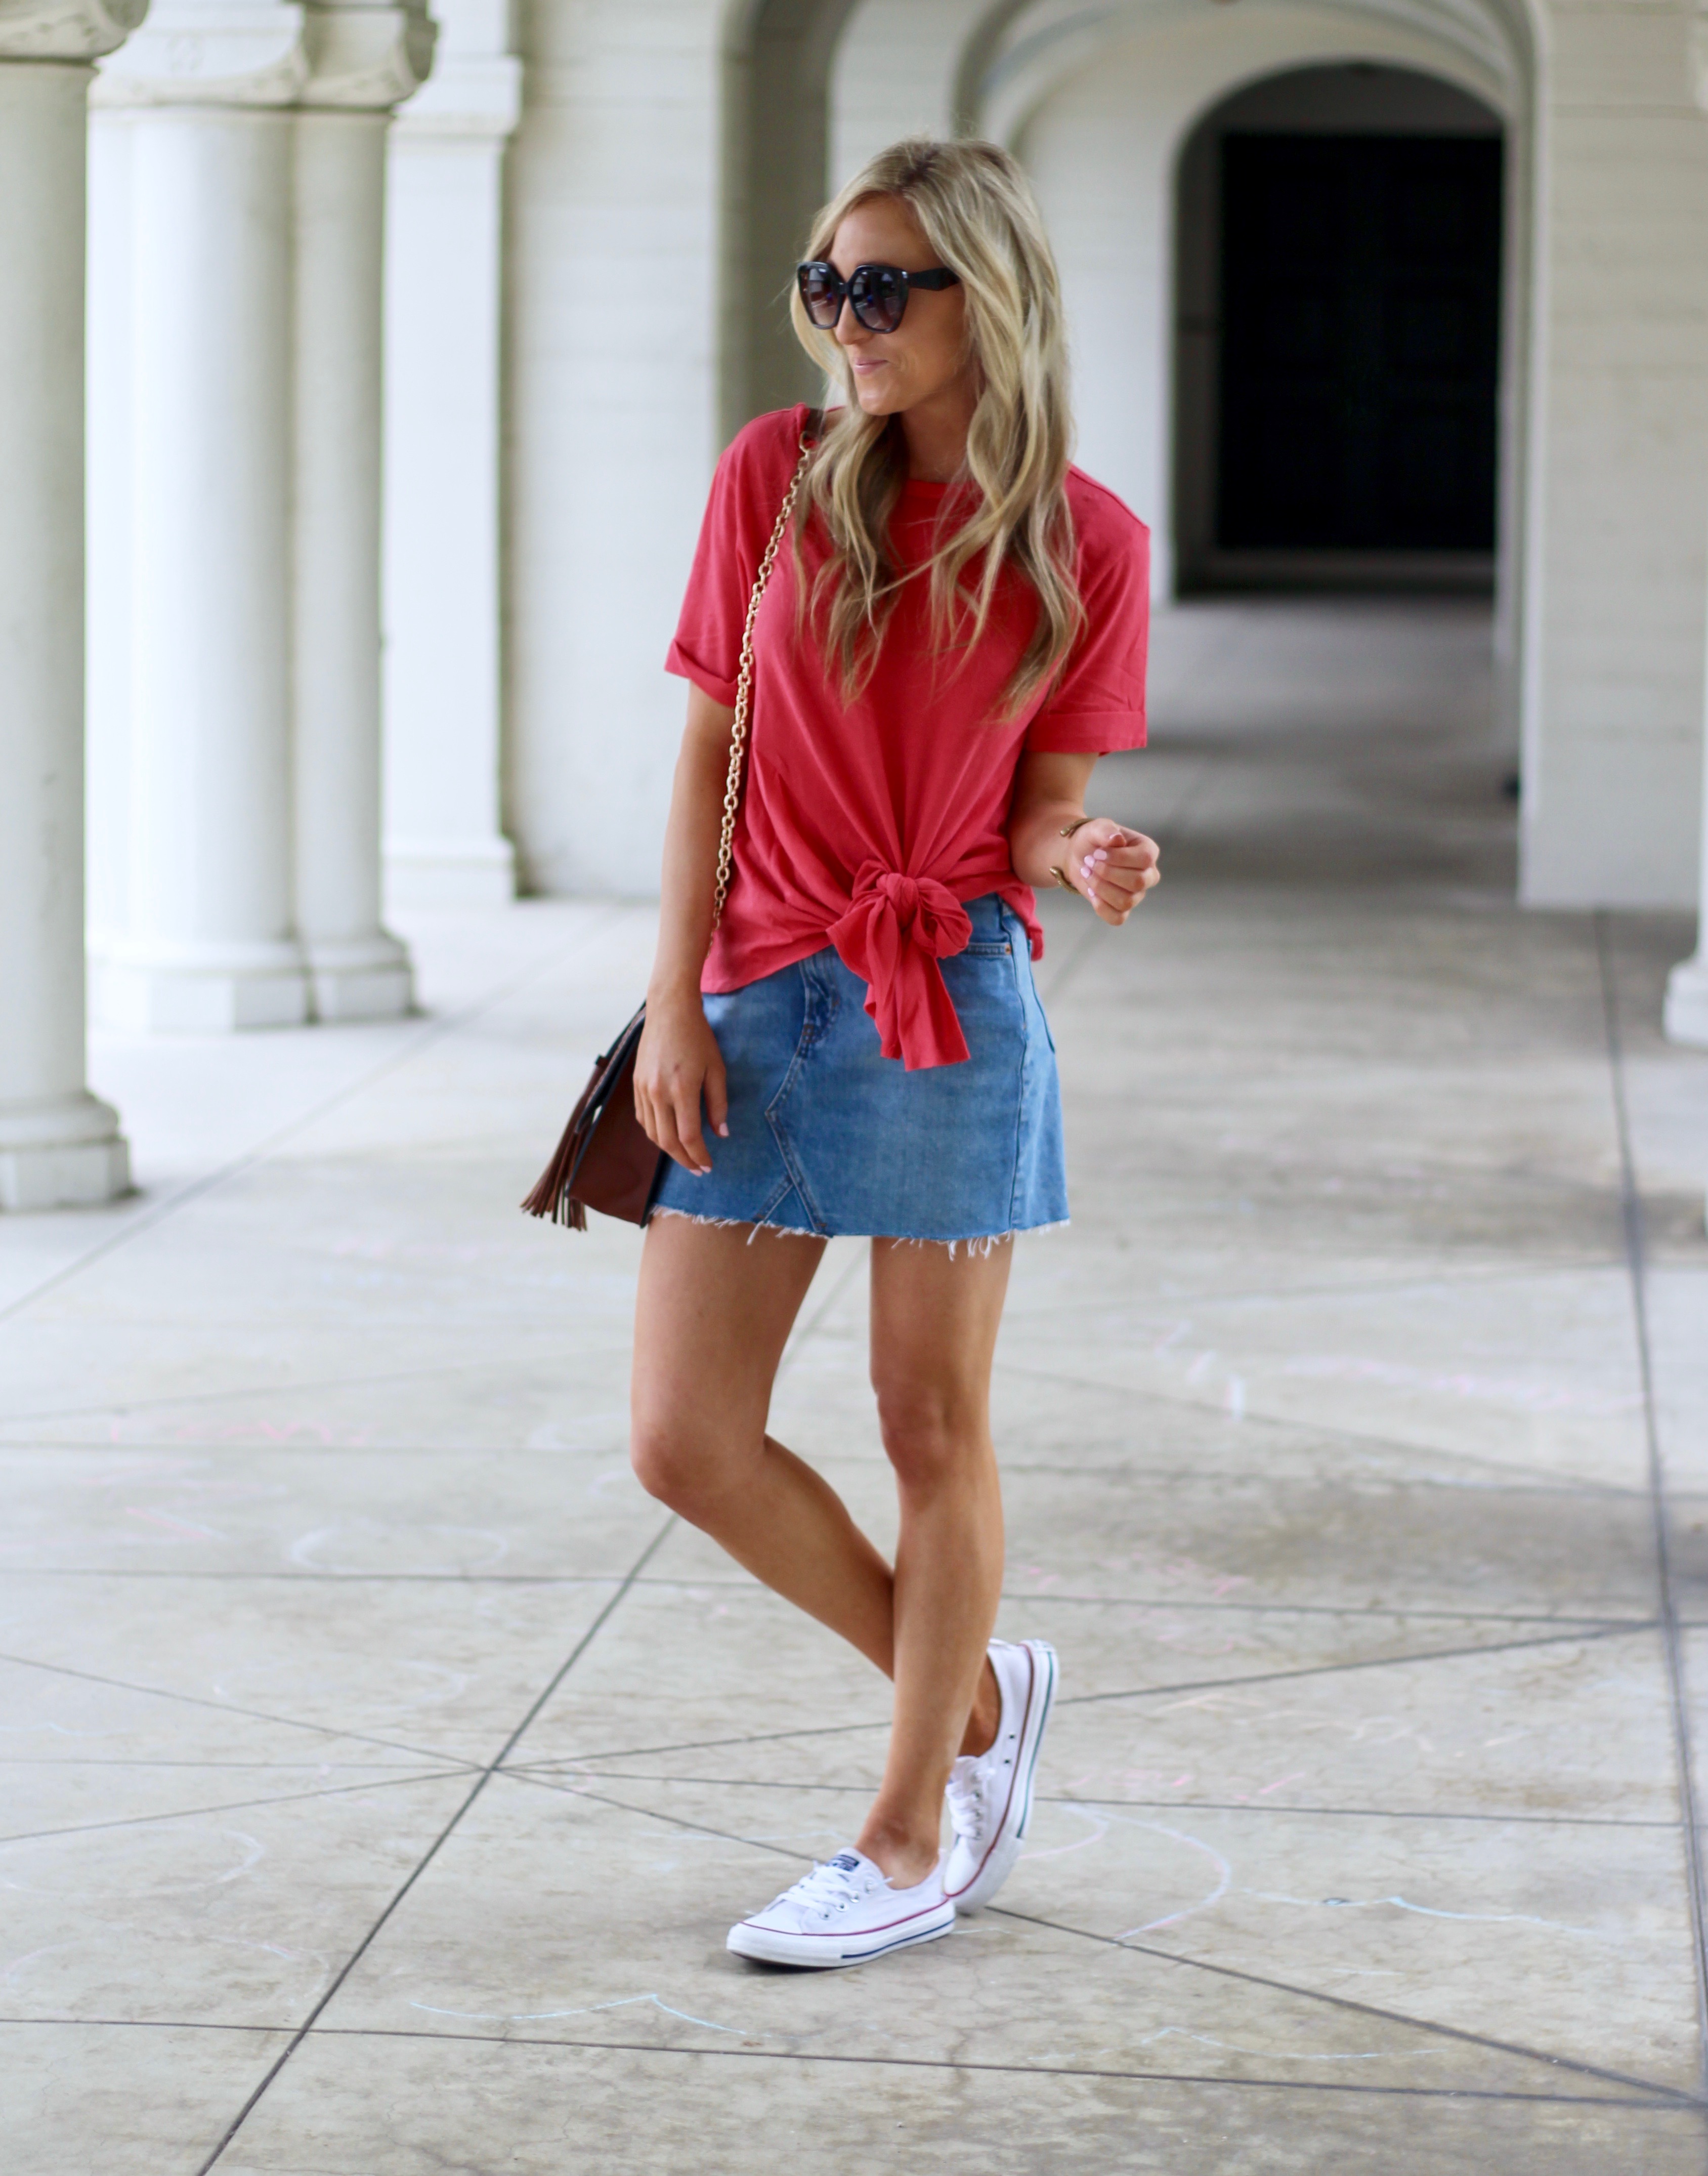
(714, 1315)
(934, 1323)
(713, 1318)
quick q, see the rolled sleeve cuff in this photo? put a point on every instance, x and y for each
(690, 668)
(1102, 732)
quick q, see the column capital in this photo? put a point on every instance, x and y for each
(468, 95)
(366, 58)
(66, 29)
(338, 54)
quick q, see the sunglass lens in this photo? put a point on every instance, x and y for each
(821, 290)
(879, 297)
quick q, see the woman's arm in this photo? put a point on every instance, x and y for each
(1112, 866)
(679, 1059)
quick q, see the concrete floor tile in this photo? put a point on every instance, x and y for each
(1566, 1728)
(542, 1399)
(1534, 1376)
(413, 2108)
(316, 1512)
(676, 1664)
(440, 1669)
(217, 1918)
(1184, 1645)
(1359, 1545)
(1429, 1918)
(1044, 1418)
(55, 1371)
(1361, 1711)
(1356, 1542)
(48, 1713)
(1678, 1313)
(53, 1798)
(551, 1914)
(127, 2100)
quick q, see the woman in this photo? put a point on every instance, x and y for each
(954, 633)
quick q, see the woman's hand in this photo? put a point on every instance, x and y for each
(1103, 861)
(677, 1066)
(1113, 867)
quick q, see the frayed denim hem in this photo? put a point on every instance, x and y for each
(982, 1243)
(732, 1223)
(976, 1243)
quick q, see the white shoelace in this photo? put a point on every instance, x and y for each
(966, 1807)
(827, 1888)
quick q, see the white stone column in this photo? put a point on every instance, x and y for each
(364, 60)
(1685, 1018)
(241, 604)
(1687, 986)
(359, 971)
(189, 613)
(58, 1143)
(444, 219)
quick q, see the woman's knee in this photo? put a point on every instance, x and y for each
(932, 1433)
(675, 1464)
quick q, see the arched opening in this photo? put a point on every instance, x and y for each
(777, 123)
(1338, 246)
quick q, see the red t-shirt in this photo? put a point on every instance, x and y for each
(865, 824)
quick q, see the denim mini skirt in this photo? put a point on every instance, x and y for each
(827, 1135)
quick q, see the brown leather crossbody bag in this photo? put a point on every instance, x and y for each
(605, 1160)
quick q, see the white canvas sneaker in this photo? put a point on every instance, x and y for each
(844, 1913)
(990, 1794)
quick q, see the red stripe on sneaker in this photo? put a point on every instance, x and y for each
(1014, 1779)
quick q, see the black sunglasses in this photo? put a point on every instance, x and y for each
(879, 292)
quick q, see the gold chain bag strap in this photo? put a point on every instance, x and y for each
(604, 1159)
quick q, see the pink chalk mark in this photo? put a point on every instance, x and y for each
(167, 1524)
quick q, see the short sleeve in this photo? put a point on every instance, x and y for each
(747, 490)
(1098, 705)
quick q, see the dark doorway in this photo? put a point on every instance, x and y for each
(1360, 312)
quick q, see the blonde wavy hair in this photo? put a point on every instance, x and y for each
(977, 210)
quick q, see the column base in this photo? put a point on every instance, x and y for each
(361, 979)
(1686, 1018)
(64, 1155)
(221, 990)
(476, 875)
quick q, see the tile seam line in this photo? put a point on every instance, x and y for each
(1673, 2095)
(1655, 2100)
(1682, 2097)
(1407, 1284)
(1206, 1409)
(1600, 1621)
(236, 1806)
(420, 1868)
(1236, 1475)
(1150, 1692)
(1631, 1208)
(423, 1753)
(215, 1397)
(1603, 1630)
(148, 1219)
(1280, 1807)
(1655, 2103)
